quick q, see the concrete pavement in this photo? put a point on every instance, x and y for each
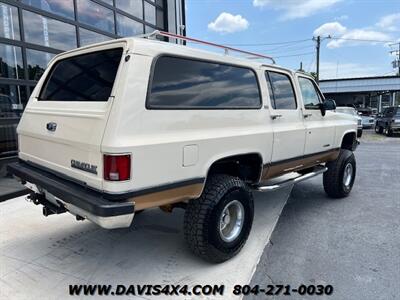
(40, 257)
(352, 244)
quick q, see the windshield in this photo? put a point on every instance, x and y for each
(87, 77)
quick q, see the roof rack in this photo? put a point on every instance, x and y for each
(226, 48)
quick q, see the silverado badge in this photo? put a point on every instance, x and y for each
(83, 166)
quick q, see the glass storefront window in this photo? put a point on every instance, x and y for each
(37, 63)
(64, 8)
(128, 27)
(13, 96)
(95, 15)
(135, 8)
(89, 37)
(160, 18)
(48, 32)
(149, 29)
(11, 62)
(149, 13)
(12, 100)
(9, 25)
(109, 2)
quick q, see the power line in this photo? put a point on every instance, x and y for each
(358, 40)
(297, 54)
(268, 44)
(286, 50)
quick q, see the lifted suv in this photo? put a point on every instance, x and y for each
(389, 121)
(122, 126)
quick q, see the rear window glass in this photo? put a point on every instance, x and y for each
(281, 91)
(180, 83)
(87, 77)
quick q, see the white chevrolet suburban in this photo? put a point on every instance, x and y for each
(122, 126)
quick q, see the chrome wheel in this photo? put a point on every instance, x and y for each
(231, 221)
(348, 175)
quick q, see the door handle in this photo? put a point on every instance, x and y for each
(307, 115)
(273, 117)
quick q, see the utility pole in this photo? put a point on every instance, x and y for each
(396, 61)
(318, 40)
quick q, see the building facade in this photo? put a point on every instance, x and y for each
(368, 94)
(34, 31)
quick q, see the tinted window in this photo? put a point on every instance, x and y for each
(184, 83)
(95, 15)
(149, 13)
(88, 77)
(11, 62)
(46, 32)
(281, 91)
(160, 18)
(9, 26)
(63, 8)
(37, 62)
(308, 92)
(89, 37)
(135, 8)
(128, 27)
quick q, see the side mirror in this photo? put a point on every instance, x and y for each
(328, 104)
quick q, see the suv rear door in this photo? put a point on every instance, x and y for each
(63, 124)
(287, 119)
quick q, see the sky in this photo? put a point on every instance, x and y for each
(284, 29)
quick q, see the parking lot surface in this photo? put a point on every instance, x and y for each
(40, 257)
(352, 244)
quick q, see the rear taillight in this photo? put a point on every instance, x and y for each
(117, 167)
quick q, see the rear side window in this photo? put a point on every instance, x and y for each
(180, 83)
(281, 91)
(87, 77)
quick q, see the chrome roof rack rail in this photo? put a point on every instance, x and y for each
(226, 48)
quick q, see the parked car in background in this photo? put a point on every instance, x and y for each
(352, 111)
(368, 120)
(388, 122)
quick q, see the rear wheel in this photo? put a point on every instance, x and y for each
(217, 224)
(339, 179)
(388, 131)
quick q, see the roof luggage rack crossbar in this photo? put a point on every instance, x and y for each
(185, 38)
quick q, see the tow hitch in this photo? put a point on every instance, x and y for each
(48, 207)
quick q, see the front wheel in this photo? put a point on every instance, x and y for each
(378, 129)
(217, 225)
(388, 131)
(339, 179)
